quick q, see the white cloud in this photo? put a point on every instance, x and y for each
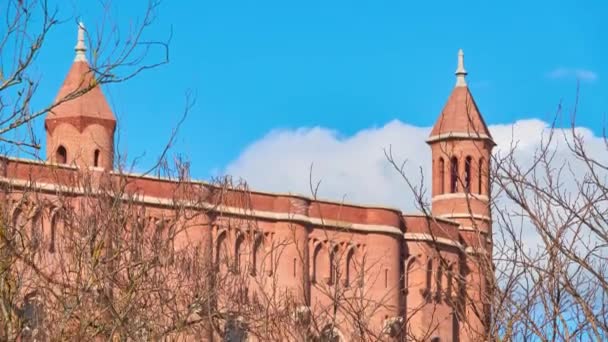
(579, 74)
(351, 168)
(355, 169)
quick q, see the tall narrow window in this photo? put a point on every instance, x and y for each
(348, 274)
(333, 270)
(467, 174)
(441, 176)
(239, 254)
(54, 221)
(61, 155)
(439, 280)
(386, 278)
(96, 158)
(221, 252)
(315, 262)
(448, 289)
(454, 175)
(36, 229)
(429, 275)
(257, 256)
(480, 175)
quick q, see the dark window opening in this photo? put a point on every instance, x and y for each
(454, 175)
(96, 158)
(429, 274)
(441, 176)
(480, 176)
(62, 155)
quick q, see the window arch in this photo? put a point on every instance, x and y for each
(315, 262)
(450, 286)
(441, 176)
(221, 251)
(61, 155)
(350, 260)
(333, 266)
(36, 228)
(18, 221)
(439, 280)
(54, 221)
(454, 175)
(96, 158)
(467, 173)
(239, 253)
(257, 262)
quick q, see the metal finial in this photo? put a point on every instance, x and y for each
(80, 47)
(461, 73)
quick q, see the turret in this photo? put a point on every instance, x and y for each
(461, 147)
(80, 128)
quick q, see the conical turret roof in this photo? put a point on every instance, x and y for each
(460, 117)
(80, 96)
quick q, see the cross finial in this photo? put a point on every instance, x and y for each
(80, 47)
(460, 72)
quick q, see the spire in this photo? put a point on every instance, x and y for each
(80, 96)
(460, 117)
(80, 47)
(461, 73)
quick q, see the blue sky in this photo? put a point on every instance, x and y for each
(345, 66)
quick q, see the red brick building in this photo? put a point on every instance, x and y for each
(427, 273)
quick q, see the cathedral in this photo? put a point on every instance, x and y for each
(343, 271)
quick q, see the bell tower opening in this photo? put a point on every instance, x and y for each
(61, 156)
(441, 176)
(454, 175)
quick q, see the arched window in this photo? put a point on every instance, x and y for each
(315, 262)
(454, 175)
(348, 276)
(54, 221)
(258, 258)
(36, 229)
(467, 174)
(32, 316)
(17, 218)
(96, 158)
(449, 285)
(480, 176)
(439, 280)
(441, 176)
(239, 253)
(221, 252)
(333, 267)
(61, 156)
